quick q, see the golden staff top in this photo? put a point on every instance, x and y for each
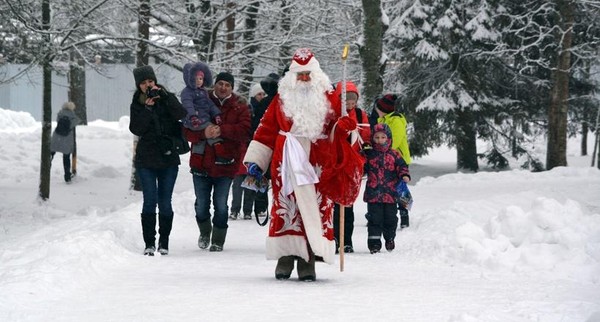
(344, 56)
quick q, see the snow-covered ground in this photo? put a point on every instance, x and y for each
(491, 246)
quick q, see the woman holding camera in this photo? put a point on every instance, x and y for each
(154, 117)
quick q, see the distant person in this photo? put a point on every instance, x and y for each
(242, 198)
(154, 113)
(270, 85)
(212, 181)
(387, 109)
(63, 137)
(364, 131)
(385, 169)
(201, 111)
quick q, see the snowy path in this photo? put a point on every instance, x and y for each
(506, 246)
(237, 285)
(105, 278)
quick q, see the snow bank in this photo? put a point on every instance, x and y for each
(12, 120)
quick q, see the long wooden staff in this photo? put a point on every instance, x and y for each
(344, 113)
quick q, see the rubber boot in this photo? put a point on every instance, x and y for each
(205, 228)
(218, 239)
(284, 268)
(306, 270)
(149, 232)
(165, 223)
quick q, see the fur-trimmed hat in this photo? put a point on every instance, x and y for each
(304, 61)
(255, 89)
(386, 103)
(225, 76)
(143, 73)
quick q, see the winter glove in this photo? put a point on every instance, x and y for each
(255, 180)
(195, 121)
(254, 170)
(345, 124)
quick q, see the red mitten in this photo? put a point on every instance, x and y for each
(345, 124)
(218, 120)
(195, 121)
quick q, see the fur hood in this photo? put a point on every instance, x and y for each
(382, 127)
(189, 74)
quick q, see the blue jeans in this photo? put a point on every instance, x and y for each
(203, 187)
(157, 188)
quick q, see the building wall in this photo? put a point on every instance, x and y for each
(108, 91)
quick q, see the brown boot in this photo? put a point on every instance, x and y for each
(284, 268)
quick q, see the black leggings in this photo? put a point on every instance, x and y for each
(66, 165)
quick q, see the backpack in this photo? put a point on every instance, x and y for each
(63, 126)
(358, 115)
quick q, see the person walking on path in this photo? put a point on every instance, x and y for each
(154, 114)
(212, 181)
(293, 140)
(385, 169)
(63, 137)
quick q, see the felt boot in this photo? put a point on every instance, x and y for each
(284, 268)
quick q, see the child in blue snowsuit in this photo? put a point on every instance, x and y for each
(385, 169)
(201, 111)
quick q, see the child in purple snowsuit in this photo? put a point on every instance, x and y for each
(201, 111)
(385, 169)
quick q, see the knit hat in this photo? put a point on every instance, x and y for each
(304, 61)
(270, 84)
(143, 73)
(225, 76)
(255, 89)
(386, 103)
(69, 106)
(200, 73)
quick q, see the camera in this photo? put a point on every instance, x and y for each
(154, 92)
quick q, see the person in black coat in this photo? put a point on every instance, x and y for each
(154, 115)
(270, 86)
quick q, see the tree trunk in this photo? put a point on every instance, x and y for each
(372, 50)
(584, 137)
(46, 161)
(466, 141)
(249, 38)
(141, 59)
(597, 138)
(77, 86)
(285, 52)
(201, 44)
(142, 55)
(557, 113)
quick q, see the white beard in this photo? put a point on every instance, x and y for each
(306, 103)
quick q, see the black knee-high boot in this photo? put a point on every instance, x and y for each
(165, 223)
(149, 229)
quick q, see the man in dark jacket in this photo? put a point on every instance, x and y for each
(216, 178)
